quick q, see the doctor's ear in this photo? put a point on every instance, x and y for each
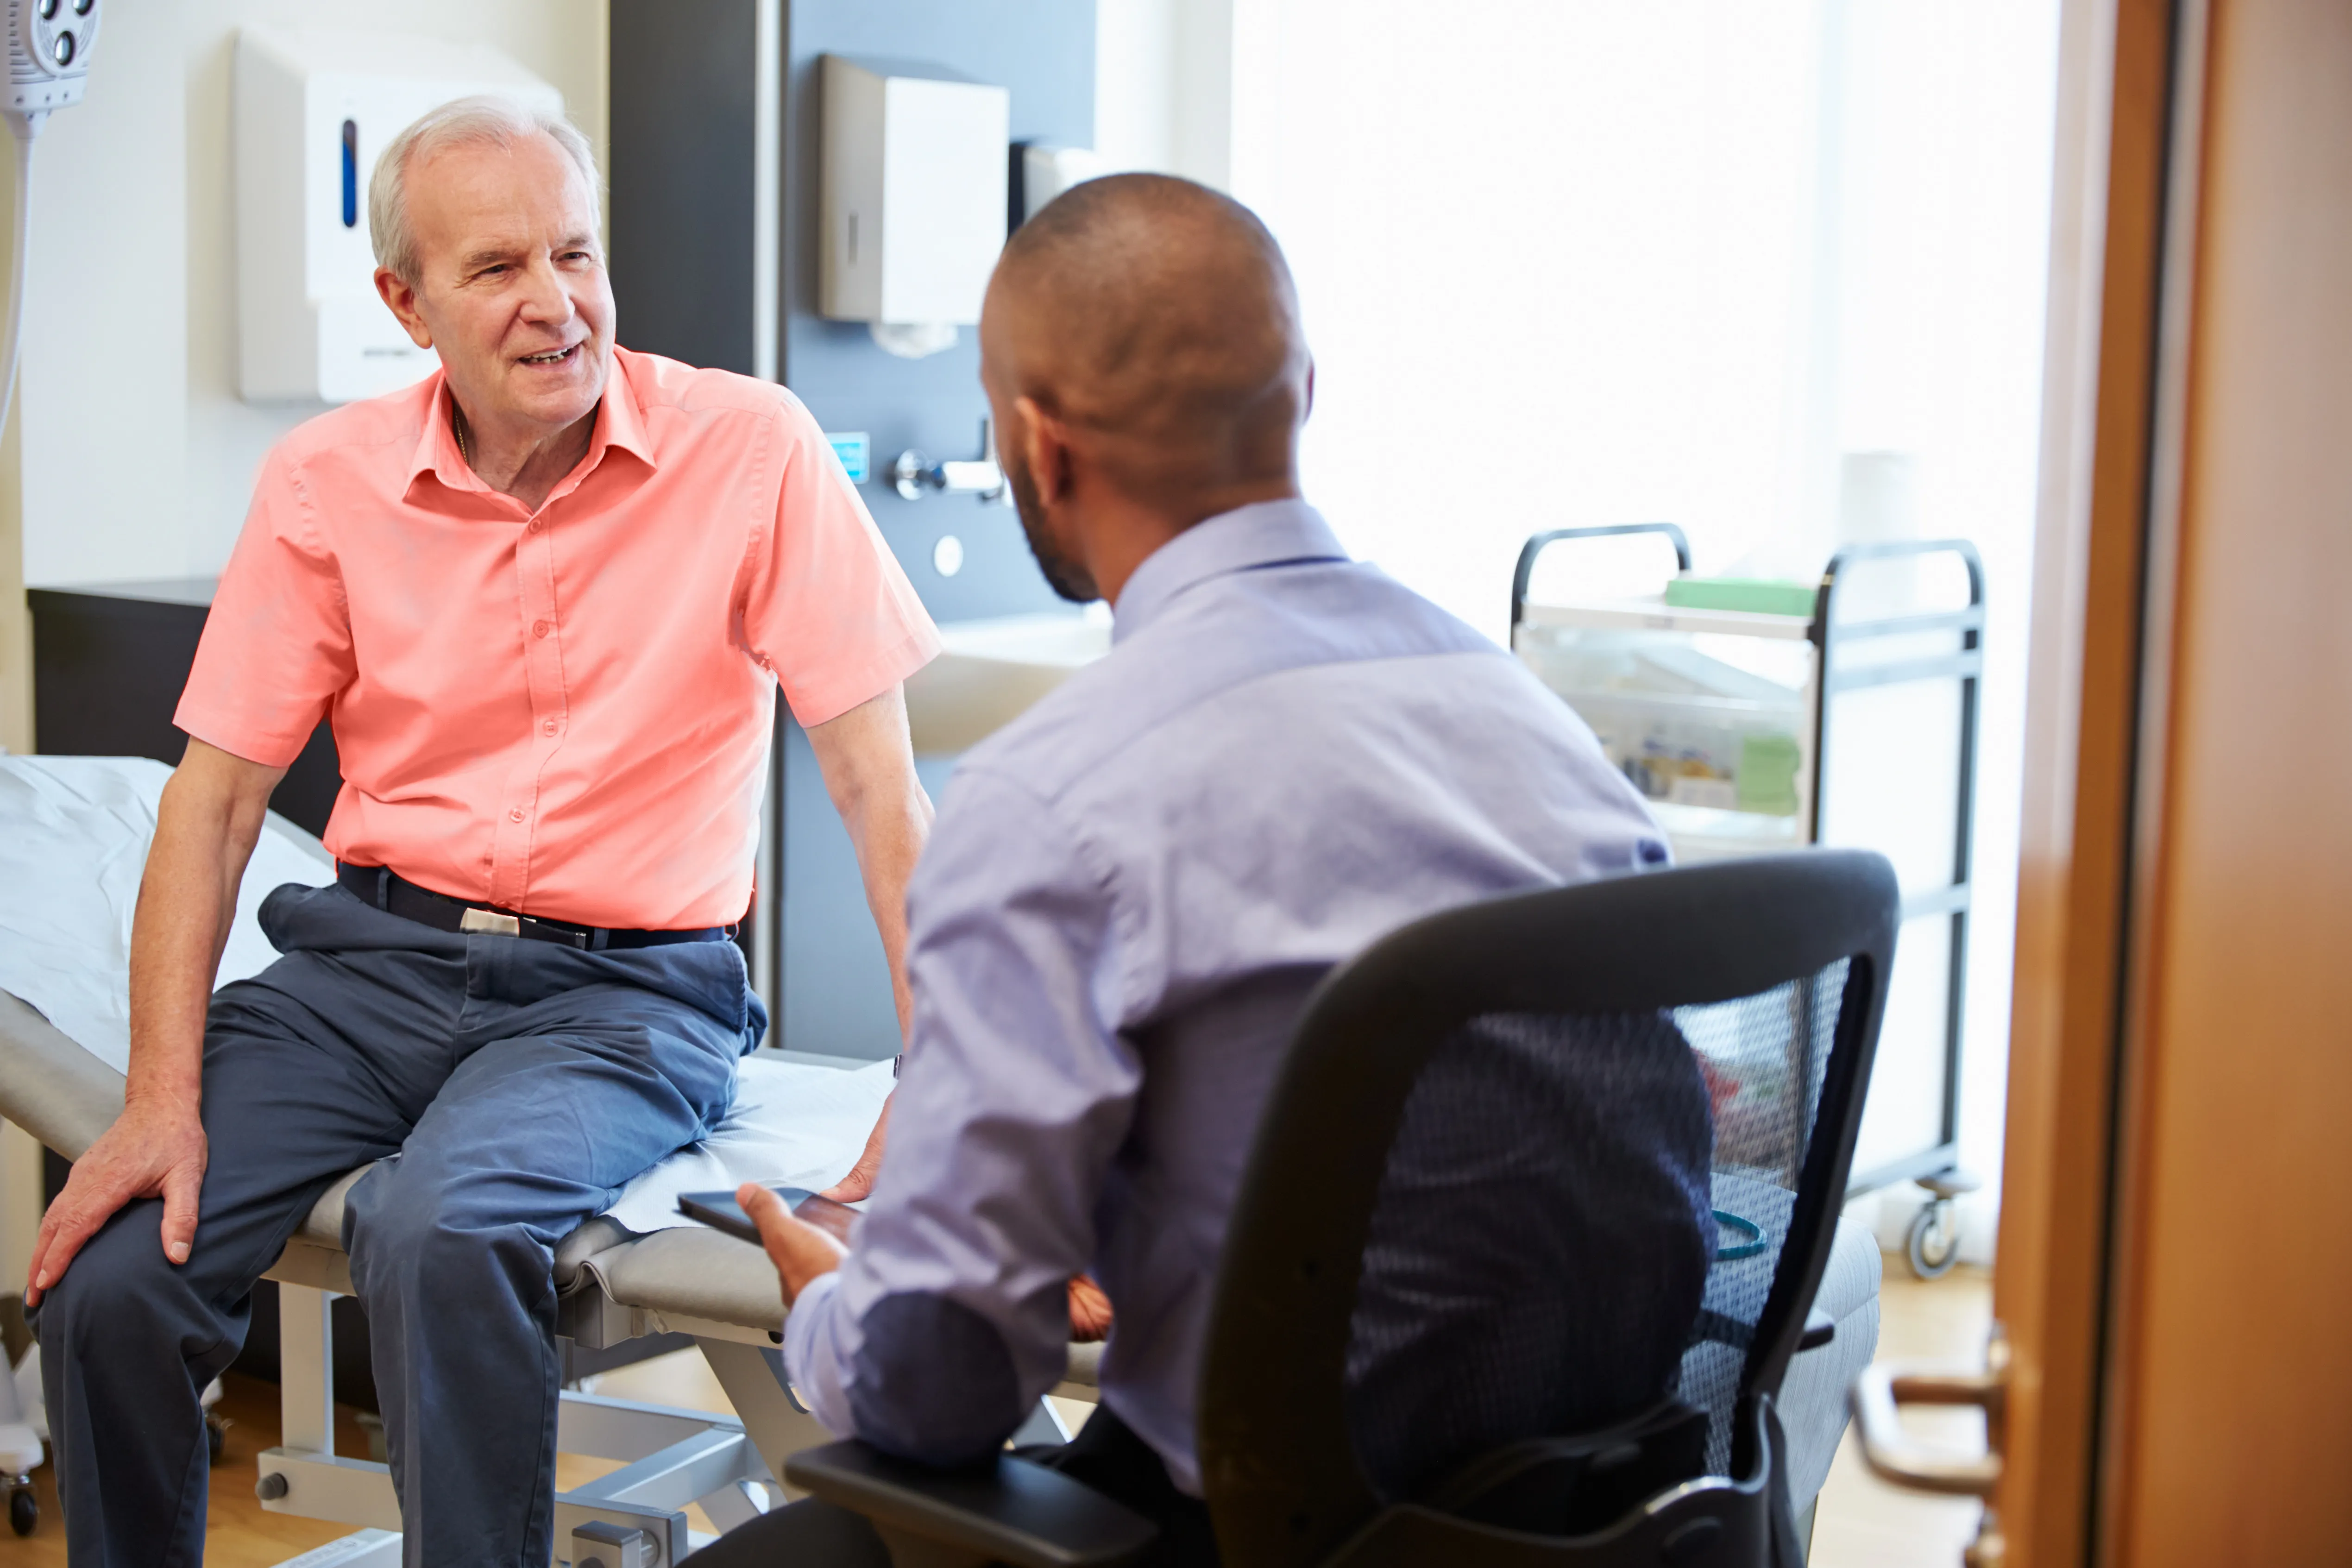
(1045, 450)
(401, 298)
(1045, 447)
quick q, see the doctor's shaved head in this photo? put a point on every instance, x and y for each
(1149, 325)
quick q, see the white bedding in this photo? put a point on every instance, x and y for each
(74, 833)
(73, 840)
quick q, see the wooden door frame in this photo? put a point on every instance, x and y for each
(2123, 226)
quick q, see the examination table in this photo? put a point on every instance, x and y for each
(73, 837)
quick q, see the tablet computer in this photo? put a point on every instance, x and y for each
(719, 1210)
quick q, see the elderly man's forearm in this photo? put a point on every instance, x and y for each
(207, 824)
(868, 762)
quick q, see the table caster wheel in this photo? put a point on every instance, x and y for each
(1934, 1243)
(24, 1511)
(216, 1438)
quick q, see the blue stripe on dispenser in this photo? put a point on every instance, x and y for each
(351, 174)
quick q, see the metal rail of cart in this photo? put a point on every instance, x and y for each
(1854, 725)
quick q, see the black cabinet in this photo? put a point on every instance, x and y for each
(109, 662)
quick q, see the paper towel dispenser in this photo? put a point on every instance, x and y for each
(913, 198)
(313, 111)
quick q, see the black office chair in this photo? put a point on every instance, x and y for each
(1533, 1225)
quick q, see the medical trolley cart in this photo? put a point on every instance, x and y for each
(1757, 717)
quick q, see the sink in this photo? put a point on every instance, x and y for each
(990, 670)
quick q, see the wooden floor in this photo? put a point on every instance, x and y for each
(237, 1533)
(1862, 1523)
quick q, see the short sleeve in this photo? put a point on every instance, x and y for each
(826, 604)
(276, 647)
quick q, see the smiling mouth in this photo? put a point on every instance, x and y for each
(553, 356)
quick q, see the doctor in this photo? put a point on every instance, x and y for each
(1134, 886)
(547, 597)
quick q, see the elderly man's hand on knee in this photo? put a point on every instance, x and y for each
(155, 1149)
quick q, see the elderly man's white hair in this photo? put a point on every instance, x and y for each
(480, 122)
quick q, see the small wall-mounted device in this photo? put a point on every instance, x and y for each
(1044, 171)
(313, 111)
(913, 198)
(49, 44)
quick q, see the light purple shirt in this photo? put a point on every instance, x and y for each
(1127, 897)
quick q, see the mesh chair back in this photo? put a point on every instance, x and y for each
(1765, 1059)
(1486, 1201)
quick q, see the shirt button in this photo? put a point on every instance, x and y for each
(516, 815)
(547, 726)
(534, 525)
(539, 628)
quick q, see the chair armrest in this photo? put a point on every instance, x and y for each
(1820, 1330)
(1014, 1513)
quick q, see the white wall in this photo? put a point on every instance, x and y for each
(1164, 87)
(139, 456)
(104, 394)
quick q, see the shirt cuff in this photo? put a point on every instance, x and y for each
(812, 1363)
(814, 703)
(241, 740)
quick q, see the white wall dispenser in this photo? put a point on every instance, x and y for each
(914, 197)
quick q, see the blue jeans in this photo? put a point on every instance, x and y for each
(512, 1088)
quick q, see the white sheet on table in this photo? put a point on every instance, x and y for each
(74, 833)
(792, 1125)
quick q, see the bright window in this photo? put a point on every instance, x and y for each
(1771, 272)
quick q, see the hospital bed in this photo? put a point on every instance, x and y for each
(75, 830)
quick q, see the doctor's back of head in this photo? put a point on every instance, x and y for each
(1142, 349)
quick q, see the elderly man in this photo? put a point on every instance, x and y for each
(1133, 888)
(546, 597)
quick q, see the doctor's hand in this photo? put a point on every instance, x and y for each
(154, 1150)
(859, 1183)
(800, 1252)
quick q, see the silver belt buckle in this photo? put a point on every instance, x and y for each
(490, 920)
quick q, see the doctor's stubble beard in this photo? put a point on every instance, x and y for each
(1064, 575)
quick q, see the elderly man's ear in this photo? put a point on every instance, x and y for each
(401, 299)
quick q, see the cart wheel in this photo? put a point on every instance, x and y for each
(24, 1511)
(1934, 1244)
(216, 1438)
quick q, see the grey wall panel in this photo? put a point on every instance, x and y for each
(836, 990)
(835, 985)
(1043, 52)
(681, 162)
(683, 109)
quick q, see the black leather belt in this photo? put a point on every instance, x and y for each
(394, 893)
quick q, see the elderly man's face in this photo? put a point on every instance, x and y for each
(512, 289)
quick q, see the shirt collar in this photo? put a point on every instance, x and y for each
(620, 422)
(1265, 533)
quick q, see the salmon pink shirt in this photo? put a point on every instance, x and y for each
(565, 712)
